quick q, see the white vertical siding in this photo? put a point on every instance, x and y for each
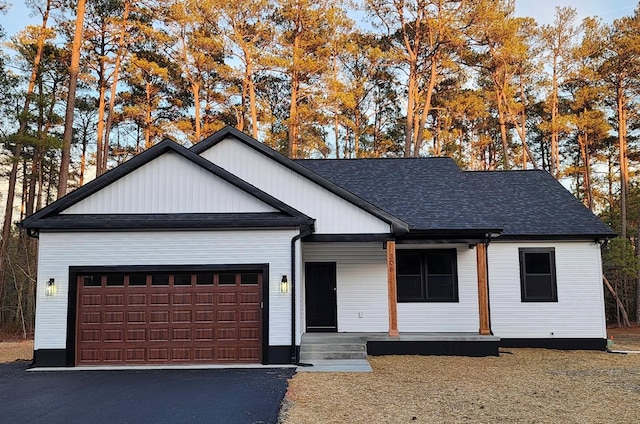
(361, 283)
(333, 214)
(169, 184)
(59, 251)
(579, 311)
(461, 316)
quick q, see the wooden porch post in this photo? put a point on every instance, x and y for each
(483, 288)
(392, 289)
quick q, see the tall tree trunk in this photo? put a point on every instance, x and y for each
(426, 108)
(554, 162)
(411, 105)
(17, 153)
(147, 118)
(114, 83)
(65, 162)
(503, 131)
(252, 97)
(294, 123)
(100, 128)
(195, 88)
(623, 311)
(622, 145)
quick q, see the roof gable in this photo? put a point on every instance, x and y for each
(112, 192)
(228, 133)
(169, 184)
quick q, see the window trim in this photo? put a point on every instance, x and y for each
(551, 251)
(424, 276)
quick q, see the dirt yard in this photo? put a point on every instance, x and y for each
(521, 386)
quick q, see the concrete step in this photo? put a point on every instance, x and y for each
(333, 347)
(319, 355)
(335, 365)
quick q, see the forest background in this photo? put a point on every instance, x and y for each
(92, 83)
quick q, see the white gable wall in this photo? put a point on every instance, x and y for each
(461, 316)
(59, 251)
(361, 270)
(579, 311)
(169, 184)
(333, 214)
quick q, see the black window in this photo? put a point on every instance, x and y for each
(427, 275)
(538, 275)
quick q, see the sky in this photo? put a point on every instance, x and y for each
(542, 10)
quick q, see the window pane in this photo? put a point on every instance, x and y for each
(160, 279)
(137, 279)
(408, 263)
(537, 262)
(204, 279)
(226, 278)
(440, 262)
(182, 279)
(249, 279)
(409, 287)
(115, 280)
(539, 287)
(92, 280)
(440, 287)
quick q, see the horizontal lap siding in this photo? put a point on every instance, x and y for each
(459, 316)
(169, 184)
(59, 251)
(361, 283)
(579, 312)
(333, 214)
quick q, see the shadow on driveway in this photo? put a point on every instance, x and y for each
(226, 396)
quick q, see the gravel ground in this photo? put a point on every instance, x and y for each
(520, 386)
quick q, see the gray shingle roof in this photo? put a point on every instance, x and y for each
(434, 194)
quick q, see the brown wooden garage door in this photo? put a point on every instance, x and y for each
(185, 317)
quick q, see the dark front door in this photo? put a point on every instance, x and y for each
(320, 295)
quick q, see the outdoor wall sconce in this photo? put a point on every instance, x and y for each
(284, 285)
(51, 289)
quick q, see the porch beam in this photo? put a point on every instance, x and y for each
(392, 289)
(483, 288)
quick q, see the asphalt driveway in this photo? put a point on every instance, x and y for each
(226, 396)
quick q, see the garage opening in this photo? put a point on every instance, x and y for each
(169, 317)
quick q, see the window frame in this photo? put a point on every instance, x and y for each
(551, 252)
(424, 275)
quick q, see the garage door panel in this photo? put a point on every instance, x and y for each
(87, 317)
(190, 317)
(181, 317)
(159, 317)
(159, 299)
(204, 316)
(136, 334)
(114, 299)
(204, 299)
(137, 299)
(181, 334)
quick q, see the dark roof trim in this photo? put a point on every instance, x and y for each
(554, 237)
(455, 233)
(470, 241)
(198, 221)
(145, 157)
(399, 226)
(348, 238)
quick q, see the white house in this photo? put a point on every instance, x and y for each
(229, 252)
